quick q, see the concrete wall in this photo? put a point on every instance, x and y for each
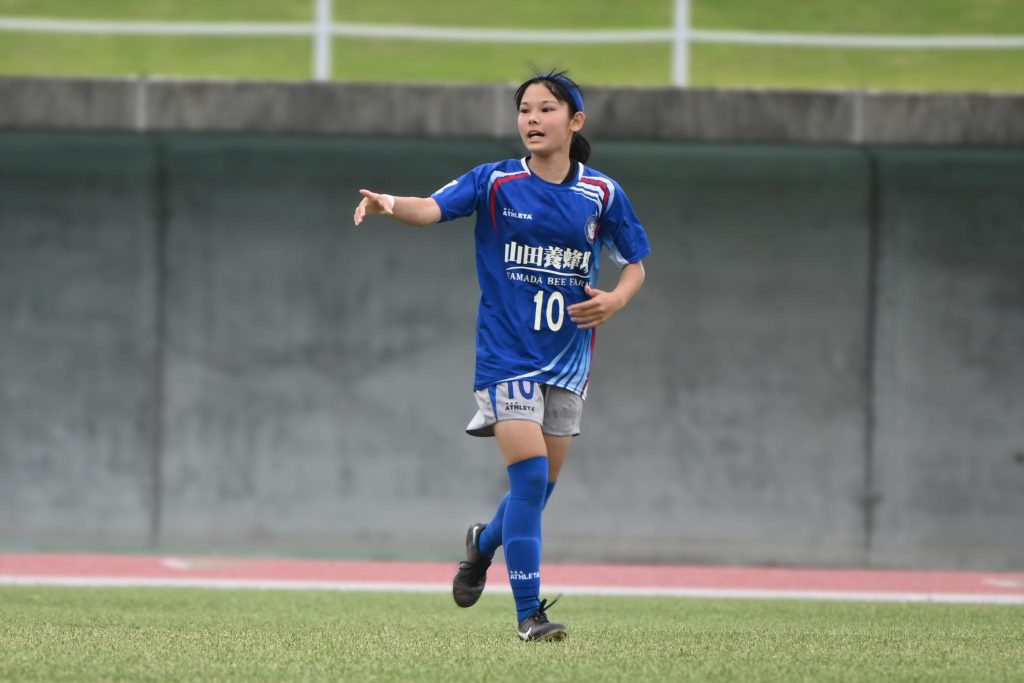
(949, 376)
(487, 111)
(198, 350)
(77, 338)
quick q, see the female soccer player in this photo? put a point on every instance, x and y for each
(541, 222)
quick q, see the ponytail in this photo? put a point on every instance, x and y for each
(579, 149)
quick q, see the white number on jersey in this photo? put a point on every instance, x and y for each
(553, 320)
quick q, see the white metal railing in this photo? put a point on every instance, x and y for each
(680, 36)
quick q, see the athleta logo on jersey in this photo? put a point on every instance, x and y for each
(520, 575)
(509, 213)
(558, 258)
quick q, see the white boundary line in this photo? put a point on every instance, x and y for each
(489, 35)
(308, 29)
(364, 586)
(978, 42)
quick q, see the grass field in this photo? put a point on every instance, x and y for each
(647, 64)
(51, 634)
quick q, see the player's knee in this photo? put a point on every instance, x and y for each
(529, 479)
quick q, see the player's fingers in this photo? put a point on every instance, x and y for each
(373, 200)
(596, 310)
(583, 306)
(586, 316)
(586, 303)
(360, 212)
(372, 206)
(582, 309)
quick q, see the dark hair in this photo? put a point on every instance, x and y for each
(559, 84)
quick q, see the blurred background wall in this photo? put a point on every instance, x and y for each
(198, 350)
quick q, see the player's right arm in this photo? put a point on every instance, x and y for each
(417, 211)
(457, 199)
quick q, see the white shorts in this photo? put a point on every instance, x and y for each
(558, 411)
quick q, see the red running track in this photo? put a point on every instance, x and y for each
(698, 581)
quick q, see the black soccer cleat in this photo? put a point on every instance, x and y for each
(472, 575)
(537, 626)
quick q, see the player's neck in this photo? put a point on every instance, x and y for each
(552, 168)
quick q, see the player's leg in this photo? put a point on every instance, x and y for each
(524, 451)
(562, 413)
(489, 536)
(518, 415)
(558, 449)
(508, 401)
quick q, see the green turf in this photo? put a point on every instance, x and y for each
(523, 13)
(530, 14)
(795, 67)
(167, 10)
(54, 634)
(235, 57)
(368, 60)
(643, 64)
(952, 17)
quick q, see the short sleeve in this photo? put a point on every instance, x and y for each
(622, 232)
(459, 198)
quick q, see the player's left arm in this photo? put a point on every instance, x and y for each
(602, 305)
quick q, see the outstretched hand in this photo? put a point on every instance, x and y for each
(373, 204)
(597, 310)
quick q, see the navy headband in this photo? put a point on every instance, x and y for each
(570, 87)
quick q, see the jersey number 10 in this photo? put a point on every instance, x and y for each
(553, 318)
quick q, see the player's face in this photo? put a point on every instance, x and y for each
(544, 122)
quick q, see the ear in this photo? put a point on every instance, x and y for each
(577, 121)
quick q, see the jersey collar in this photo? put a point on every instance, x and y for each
(579, 171)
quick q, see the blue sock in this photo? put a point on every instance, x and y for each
(490, 538)
(521, 527)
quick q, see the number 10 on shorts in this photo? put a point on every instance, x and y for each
(553, 313)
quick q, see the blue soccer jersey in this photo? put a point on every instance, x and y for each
(537, 245)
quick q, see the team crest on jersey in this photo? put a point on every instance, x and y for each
(591, 229)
